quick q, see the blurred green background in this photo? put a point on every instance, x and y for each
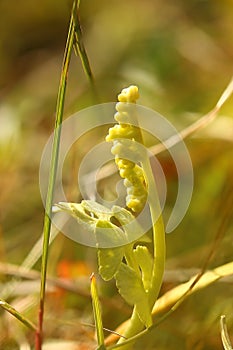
(180, 55)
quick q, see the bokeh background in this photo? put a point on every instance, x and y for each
(180, 55)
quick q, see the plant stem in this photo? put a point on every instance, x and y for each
(158, 233)
(135, 325)
(52, 175)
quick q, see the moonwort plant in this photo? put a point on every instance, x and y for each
(137, 265)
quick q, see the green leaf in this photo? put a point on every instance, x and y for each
(109, 261)
(86, 212)
(131, 288)
(77, 211)
(109, 235)
(145, 262)
(96, 210)
(95, 218)
(123, 215)
(129, 223)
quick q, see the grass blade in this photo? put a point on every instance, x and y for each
(224, 334)
(97, 313)
(79, 47)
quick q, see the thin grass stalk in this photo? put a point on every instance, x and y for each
(52, 174)
(17, 314)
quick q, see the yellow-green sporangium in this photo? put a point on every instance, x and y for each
(125, 137)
